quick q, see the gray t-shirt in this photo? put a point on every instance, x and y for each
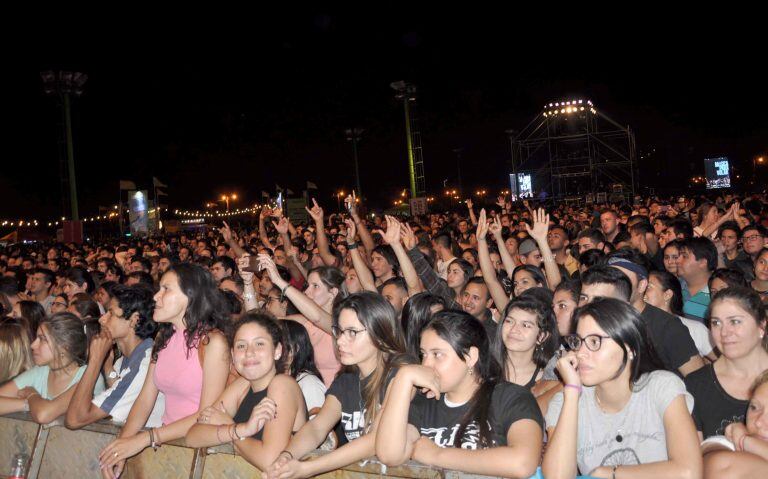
(640, 425)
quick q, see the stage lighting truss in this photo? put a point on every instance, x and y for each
(568, 108)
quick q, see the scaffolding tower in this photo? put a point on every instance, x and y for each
(576, 152)
(406, 92)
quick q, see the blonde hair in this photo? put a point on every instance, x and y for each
(15, 351)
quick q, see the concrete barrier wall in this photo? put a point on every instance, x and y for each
(57, 452)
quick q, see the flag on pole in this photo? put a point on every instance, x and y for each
(161, 192)
(127, 185)
(278, 187)
(157, 183)
(311, 186)
(288, 192)
(264, 194)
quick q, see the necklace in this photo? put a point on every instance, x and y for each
(619, 437)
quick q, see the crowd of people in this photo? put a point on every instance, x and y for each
(611, 341)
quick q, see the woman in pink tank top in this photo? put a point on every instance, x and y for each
(324, 285)
(189, 310)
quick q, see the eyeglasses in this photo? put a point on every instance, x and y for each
(592, 341)
(752, 238)
(350, 334)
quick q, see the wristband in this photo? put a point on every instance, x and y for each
(234, 429)
(352, 246)
(282, 291)
(574, 386)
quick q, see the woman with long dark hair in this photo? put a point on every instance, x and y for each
(417, 313)
(371, 345)
(299, 363)
(617, 414)
(190, 343)
(470, 419)
(526, 341)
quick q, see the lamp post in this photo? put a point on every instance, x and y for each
(63, 85)
(227, 198)
(353, 135)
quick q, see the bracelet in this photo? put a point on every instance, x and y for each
(152, 442)
(234, 429)
(574, 386)
(286, 452)
(351, 246)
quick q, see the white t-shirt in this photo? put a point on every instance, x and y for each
(699, 334)
(313, 389)
(118, 400)
(639, 426)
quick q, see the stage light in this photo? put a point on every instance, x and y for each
(562, 111)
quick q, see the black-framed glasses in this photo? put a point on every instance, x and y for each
(592, 341)
(349, 333)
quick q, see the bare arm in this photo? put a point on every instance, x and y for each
(311, 311)
(539, 233)
(694, 364)
(263, 229)
(81, 410)
(472, 216)
(226, 232)
(364, 274)
(560, 457)
(249, 292)
(507, 260)
(500, 298)
(322, 239)
(9, 400)
(365, 235)
(44, 411)
(392, 237)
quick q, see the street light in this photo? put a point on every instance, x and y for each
(64, 85)
(353, 135)
(226, 199)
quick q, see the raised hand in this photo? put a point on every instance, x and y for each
(242, 263)
(226, 232)
(495, 226)
(268, 264)
(482, 226)
(392, 235)
(500, 200)
(408, 237)
(315, 212)
(282, 225)
(540, 226)
(351, 203)
(469, 203)
(266, 212)
(351, 231)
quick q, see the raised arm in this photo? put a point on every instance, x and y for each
(506, 259)
(249, 292)
(539, 234)
(365, 235)
(265, 212)
(322, 239)
(364, 274)
(472, 216)
(314, 313)
(500, 298)
(392, 237)
(231, 240)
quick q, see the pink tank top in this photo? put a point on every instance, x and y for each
(179, 377)
(325, 353)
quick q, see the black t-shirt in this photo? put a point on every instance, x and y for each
(440, 422)
(713, 408)
(348, 389)
(250, 401)
(671, 339)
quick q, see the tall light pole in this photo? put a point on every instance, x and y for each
(353, 135)
(226, 198)
(64, 85)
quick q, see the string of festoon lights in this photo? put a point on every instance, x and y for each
(568, 107)
(197, 215)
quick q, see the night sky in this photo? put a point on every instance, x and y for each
(211, 108)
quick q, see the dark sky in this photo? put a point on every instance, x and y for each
(210, 107)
